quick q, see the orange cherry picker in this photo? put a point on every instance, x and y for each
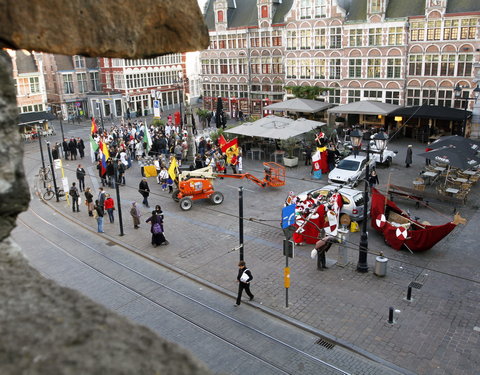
(198, 184)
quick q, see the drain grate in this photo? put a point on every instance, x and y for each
(110, 243)
(325, 343)
(416, 285)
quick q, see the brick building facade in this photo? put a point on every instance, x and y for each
(141, 81)
(404, 52)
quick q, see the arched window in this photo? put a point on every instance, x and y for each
(264, 11)
(220, 16)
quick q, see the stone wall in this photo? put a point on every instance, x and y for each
(45, 328)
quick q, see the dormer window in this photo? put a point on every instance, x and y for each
(220, 16)
(264, 11)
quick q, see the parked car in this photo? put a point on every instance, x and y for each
(352, 199)
(385, 158)
(350, 171)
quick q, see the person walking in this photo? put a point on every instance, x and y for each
(81, 147)
(81, 177)
(109, 206)
(73, 192)
(98, 213)
(89, 201)
(240, 162)
(308, 154)
(144, 190)
(408, 158)
(110, 172)
(243, 278)
(135, 214)
(373, 178)
(65, 148)
(156, 228)
(101, 196)
(72, 148)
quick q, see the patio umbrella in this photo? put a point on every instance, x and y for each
(456, 141)
(453, 156)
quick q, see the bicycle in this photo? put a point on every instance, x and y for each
(50, 193)
(45, 174)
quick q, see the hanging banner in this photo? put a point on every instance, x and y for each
(156, 108)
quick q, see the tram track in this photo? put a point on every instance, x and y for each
(322, 366)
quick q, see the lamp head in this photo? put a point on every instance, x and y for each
(381, 140)
(458, 90)
(356, 136)
(476, 92)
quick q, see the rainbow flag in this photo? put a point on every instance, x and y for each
(104, 156)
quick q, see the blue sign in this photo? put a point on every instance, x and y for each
(288, 216)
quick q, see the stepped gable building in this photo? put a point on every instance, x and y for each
(29, 81)
(141, 81)
(244, 63)
(404, 52)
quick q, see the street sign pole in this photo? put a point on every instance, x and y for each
(289, 252)
(240, 220)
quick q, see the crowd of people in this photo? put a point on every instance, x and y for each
(124, 144)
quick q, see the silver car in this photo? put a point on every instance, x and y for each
(350, 171)
(352, 199)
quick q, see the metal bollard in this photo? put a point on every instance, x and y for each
(390, 315)
(409, 293)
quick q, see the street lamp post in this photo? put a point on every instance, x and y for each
(117, 190)
(458, 94)
(179, 85)
(99, 107)
(52, 168)
(191, 151)
(380, 139)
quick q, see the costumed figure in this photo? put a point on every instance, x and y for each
(309, 217)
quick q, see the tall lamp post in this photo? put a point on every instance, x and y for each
(179, 84)
(458, 94)
(380, 139)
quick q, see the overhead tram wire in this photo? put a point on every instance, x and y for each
(270, 337)
(259, 221)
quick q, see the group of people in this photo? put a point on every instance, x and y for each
(71, 148)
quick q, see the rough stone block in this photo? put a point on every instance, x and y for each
(107, 28)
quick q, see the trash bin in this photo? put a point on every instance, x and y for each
(381, 265)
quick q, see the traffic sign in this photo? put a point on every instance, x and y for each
(288, 248)
(57, 163)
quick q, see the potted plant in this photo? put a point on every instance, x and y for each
(289, 145)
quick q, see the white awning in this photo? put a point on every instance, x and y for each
(275, 127)
(299, 105)
(365, 107)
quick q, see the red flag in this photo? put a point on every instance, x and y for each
(94, 128)
(221, 141)
(225, 146)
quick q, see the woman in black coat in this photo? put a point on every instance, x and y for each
(156, 228)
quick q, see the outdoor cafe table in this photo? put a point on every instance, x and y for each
(429, 176)
(469, 173)
(452, 190)
(440, 169)
(461, 180)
